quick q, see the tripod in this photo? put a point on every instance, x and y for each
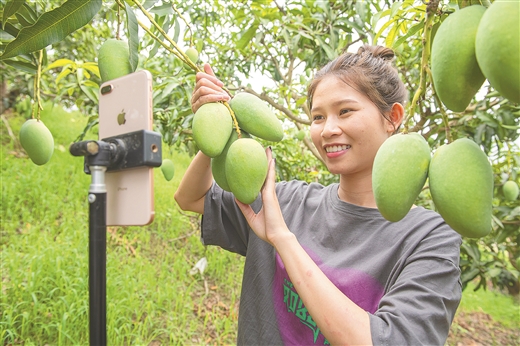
(134, 149)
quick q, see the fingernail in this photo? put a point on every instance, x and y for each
(270, 149)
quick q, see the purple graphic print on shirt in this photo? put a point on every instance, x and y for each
(295, 323)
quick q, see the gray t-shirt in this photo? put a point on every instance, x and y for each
(404, 274)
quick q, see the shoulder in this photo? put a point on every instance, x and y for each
(432, 232)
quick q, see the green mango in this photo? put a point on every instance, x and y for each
(255, 116)
(455, 71)
(114, 59)
(246, 169)
(193, 54)
(399, 172)
(510, 190)
(218, 164)
(497, 47)
(461, 185)
(168, 169)
(37, 141)
(212, 125)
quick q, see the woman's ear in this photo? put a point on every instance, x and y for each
(396, 117)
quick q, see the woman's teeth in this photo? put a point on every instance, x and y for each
(335, 148)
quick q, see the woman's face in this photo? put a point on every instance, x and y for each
(347, 128)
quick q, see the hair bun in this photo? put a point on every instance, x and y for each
(377, 51)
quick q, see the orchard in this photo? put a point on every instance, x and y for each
(460, 60)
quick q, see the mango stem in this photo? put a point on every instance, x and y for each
(180, 54)
(37, 96)
(235, 122)
(428, 24)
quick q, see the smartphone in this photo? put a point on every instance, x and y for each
(125, 105)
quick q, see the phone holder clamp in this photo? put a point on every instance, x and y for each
(130, 150)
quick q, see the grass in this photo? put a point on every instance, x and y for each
(504, 309)
(151, 295)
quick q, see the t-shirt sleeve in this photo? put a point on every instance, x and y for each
(223, 223)
(419, 305)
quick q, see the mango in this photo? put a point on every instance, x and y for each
(212, 126)
(37, 141)
(218, 164)
(510, 190)
(461, 185)
(497, 47)
(455, 71)
(167, 169)
(114, 59)
(255, 116)
(246, 169)
(399, 172)
(193, 54)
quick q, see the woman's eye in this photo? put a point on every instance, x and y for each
(317, 117)
(344, 111)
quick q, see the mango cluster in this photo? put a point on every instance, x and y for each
(460, 181)
(474, 44)
(239, 163)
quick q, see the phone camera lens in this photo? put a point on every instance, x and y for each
(106, 89)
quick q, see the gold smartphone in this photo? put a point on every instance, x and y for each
(125, 105)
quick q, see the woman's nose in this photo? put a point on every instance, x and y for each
(330, 128)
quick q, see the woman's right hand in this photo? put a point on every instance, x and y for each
(208, 88)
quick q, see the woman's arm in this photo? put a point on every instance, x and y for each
(198, 178)
(340, 320)
(195, 184)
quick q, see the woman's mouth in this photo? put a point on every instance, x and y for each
(336, 148)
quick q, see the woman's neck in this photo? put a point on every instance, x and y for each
(357, 189)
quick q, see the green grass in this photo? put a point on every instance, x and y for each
(504, 309)
(150, 292)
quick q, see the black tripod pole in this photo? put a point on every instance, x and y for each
(97, 199)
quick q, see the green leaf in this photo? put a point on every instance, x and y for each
(10, 29)
(20, 65)
(52, 27)
(409, 33)
(64, 73)
(59, 63)
(247, 36)
(92, 67)
(133, 35)
(395, 7)
(328, 50)
(26, 15)
(11, 7)
(386, 25)
(469, 275)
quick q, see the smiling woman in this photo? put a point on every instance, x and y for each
(322, 264)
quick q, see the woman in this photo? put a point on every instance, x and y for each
(322, 265)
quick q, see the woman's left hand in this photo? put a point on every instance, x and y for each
(268, 224)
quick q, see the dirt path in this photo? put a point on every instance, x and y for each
(479, 329)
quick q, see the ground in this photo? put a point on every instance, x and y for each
(479, 329)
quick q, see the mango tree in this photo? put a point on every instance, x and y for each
(270, 50)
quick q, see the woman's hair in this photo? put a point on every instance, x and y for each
(371, 72)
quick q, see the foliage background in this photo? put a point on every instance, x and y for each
(271, 49)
